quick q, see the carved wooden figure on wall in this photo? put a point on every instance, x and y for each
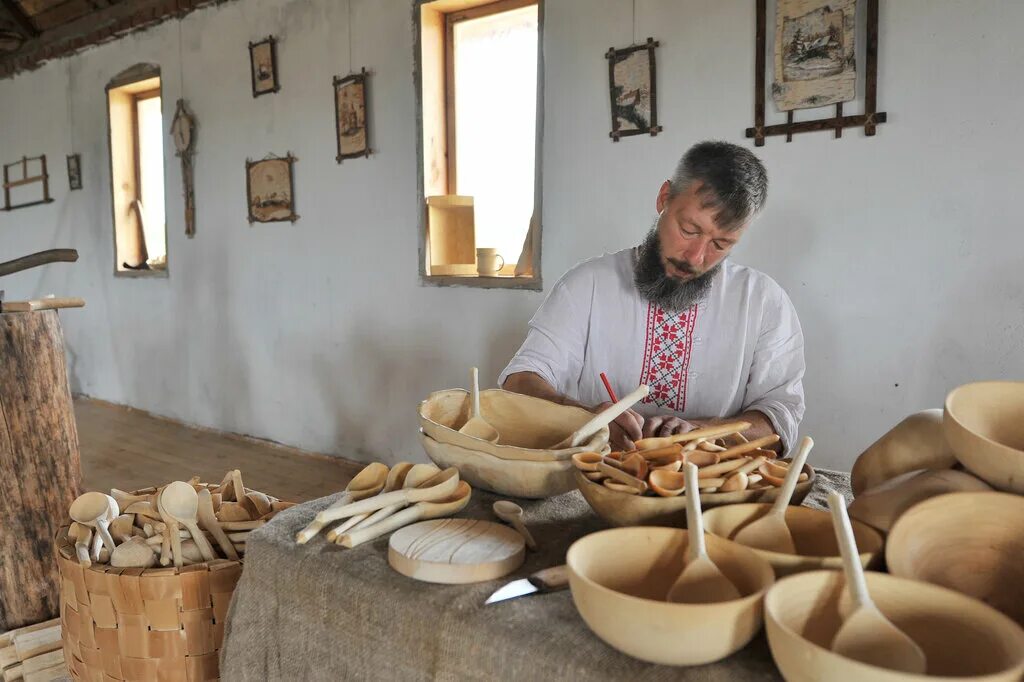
(183, 130)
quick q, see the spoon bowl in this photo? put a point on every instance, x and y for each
(512, 513)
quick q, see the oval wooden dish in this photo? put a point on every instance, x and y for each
(620, 578)
(969, 542)
(915, 443)
(456, 551)
(623, 509)
(962, 638)
(881, 506)
(984, 423)
(529, 426)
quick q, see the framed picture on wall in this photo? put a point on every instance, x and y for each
(270, 189)
(351, 120)
(634, 96)
(263, 65)
(75, 171)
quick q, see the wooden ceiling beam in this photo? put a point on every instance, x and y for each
(20, 18)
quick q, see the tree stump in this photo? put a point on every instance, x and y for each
(40, 470)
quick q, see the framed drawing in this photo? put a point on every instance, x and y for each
(270, 189)
(75, 171)
(19, 192)
(351, 120)
(263, 66)
(633, 88)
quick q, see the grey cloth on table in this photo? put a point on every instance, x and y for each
(321, 612)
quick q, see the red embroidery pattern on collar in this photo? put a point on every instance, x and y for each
(667, 351)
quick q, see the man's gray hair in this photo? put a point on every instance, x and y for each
(732, 180)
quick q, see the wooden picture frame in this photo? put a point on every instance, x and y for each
(351, 116)
(869, 119)
(74, 171)
(270, 189)
(263, 66)
(10, 183)
(632, 85)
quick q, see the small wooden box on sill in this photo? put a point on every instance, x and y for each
(451, 235)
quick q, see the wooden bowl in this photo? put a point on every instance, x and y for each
(622, 509)
(528, 426)
(619, 579)
(984, 425)
(518, 478)
(917, 442)
(961, 637)
(970, 542)
(813, 535)
(881, 506)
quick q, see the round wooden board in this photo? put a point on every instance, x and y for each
(456, 551)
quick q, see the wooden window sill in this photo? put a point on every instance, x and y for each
(483, 282)
(135, 274)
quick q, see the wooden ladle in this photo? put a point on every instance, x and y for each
(417, 476)
(602, 419)
(512, 513)
(866, 635)
(477, 426)
(438, 487)
(366, 483)
(208, 520)
(396, 477)
(770, 532)
(451, 504)
(701, 581)
(96, 510)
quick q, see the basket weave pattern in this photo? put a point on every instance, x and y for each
(143, 624)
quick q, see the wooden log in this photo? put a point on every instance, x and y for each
(40, 461)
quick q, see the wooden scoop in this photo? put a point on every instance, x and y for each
(770, 532)
(96, 510)
(82, 535)
(451, 504)
(512, 513)
(601, 419)
(395, 480)
(417, 476)
(367, 482)
(170, 550)
(135, 553)
(701, 581)
(708, 432)
(866, 635)
(477, 426)
(208, 519)
(181, 502)
(438, 487)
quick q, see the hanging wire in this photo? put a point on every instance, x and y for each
(181, 66)
(350, 36)
(71, 108)
(634, 22)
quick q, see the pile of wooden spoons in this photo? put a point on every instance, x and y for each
(181, 523)
(725, 459)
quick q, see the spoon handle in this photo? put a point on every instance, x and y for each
(789, 484)
(474, 376)
(200, 539)
(694, 519)
(524, 531)
(608, 415)
(848, 549)
(393, 522)
(103, 528)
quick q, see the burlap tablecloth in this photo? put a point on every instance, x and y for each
(320, 612)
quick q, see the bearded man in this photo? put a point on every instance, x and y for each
(713, 340)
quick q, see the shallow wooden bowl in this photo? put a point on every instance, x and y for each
(622, 509)
(527, 426)
(518, 478)
(961, 637)
(881, 506)
(915, 443)
(969, 542)
(813, 535)
(619, 579)
(984, 424)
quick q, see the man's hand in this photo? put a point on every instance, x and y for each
(624, 430)
(667, 425)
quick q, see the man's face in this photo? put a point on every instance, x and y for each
(691, 242)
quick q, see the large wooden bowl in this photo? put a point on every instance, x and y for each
(961, 637)
(623, 509)
(984, 423)
(915, 443)
(528, 426)
(970, 542)
(881, 506)
(813, 535)
(619, 579)
(518, 478)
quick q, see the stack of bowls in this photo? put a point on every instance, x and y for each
(521, 463)
(984, 426)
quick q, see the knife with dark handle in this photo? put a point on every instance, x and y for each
(547, 580)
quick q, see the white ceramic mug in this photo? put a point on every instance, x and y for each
(489, 262)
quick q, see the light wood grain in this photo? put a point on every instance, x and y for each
(456, 551)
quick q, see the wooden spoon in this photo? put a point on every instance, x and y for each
(770, 532)
(512, 513)
(421, 511)
(395, 480)
(668, 483)
(438, 487)
(701, 581)
(601, 419)
(96, 510)
(208, 519)
(705, 432)
(866, 635)
(417, 476)
(181, 502)
(82, 535)
(367, 482)
(170, 549)
(740, 478)
(477, 426)
(135, 553)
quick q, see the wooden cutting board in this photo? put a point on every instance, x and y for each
(456, 551)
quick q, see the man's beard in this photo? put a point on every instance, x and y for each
(656, 286)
